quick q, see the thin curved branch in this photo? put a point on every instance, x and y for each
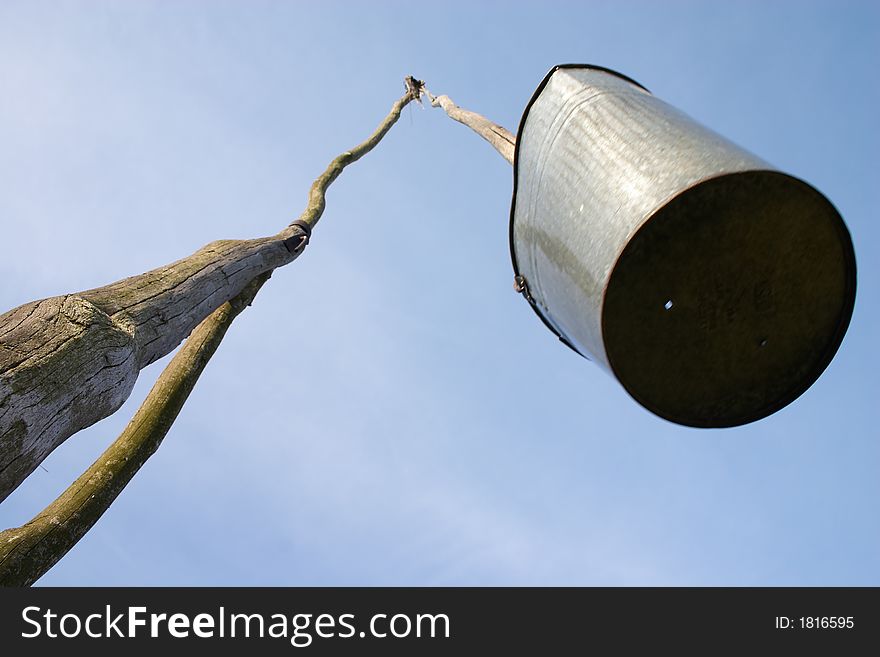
(318, 190)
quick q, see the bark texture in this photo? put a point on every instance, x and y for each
(69, 361)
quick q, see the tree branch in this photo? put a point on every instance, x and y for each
(318, 190)
(69, 361)
(501, 138)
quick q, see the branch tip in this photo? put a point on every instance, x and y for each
(415, 87)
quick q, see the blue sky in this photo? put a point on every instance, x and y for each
(390, 412)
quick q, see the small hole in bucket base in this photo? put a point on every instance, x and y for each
(668, 305)
(762, 342)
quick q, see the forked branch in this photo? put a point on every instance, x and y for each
(68, 361)
(29, 551)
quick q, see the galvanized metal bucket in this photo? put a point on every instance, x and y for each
(715, 288)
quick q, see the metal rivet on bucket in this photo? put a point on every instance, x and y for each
(715, 288)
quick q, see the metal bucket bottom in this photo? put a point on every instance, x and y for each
(731, 300)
